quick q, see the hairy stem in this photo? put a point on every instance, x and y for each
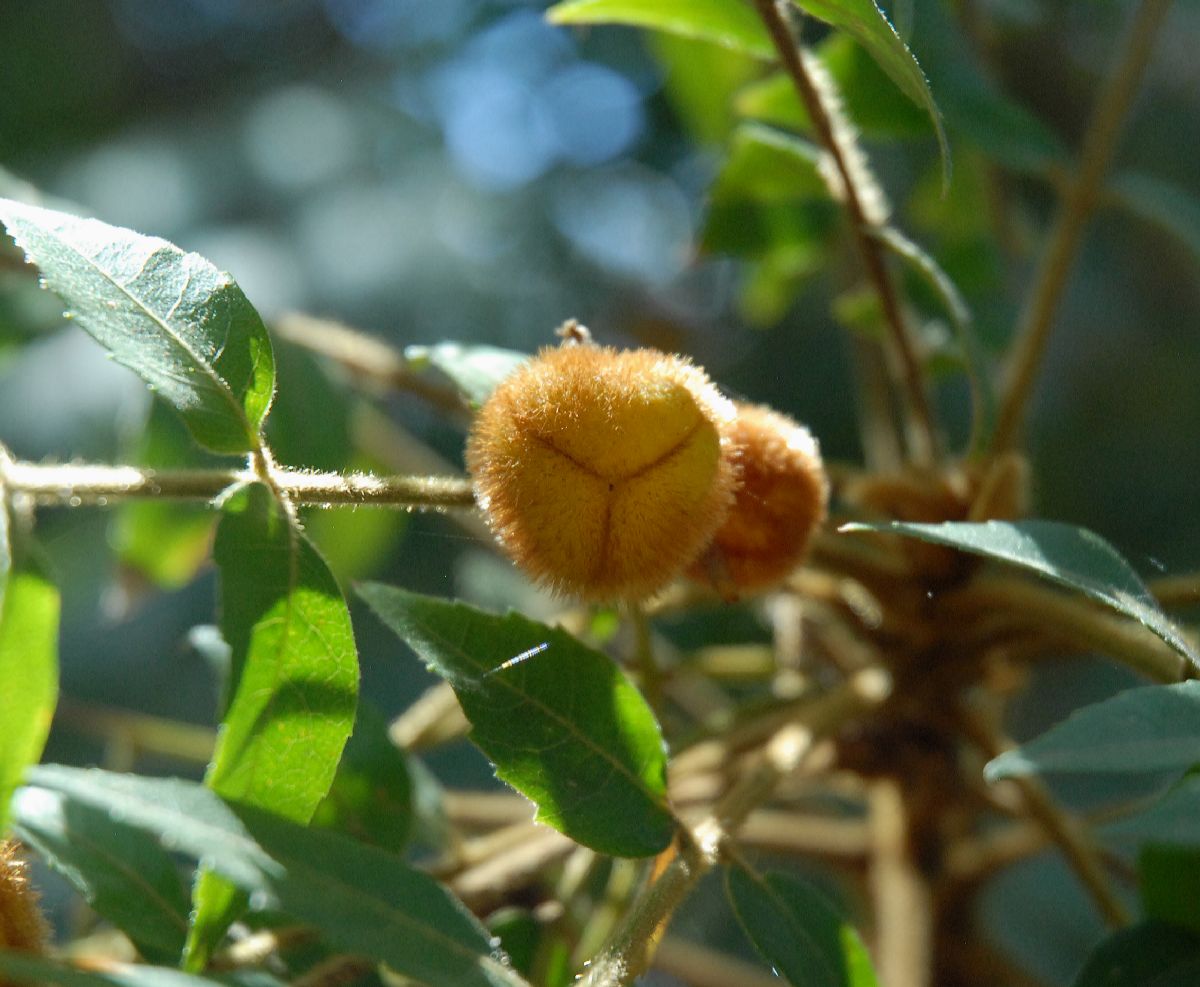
(923, 434)
(628, 953)
(1104, 128)
(74, 484)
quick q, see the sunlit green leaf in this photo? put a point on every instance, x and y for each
(294, 680)
(768, 165)
(173, 318)
(865, 22)
(21, 968)
(29, 610)
(1169, 878)
(361, 899)
(1069, 556)
(725, 22)
(1148, 729)
(125, 878)
(699, 81)
(797, 931)
(474, 369)
(560, 721)
(1151, 954)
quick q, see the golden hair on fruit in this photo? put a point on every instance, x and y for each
(782, 499)
(602, 472)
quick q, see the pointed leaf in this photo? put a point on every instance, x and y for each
(474, 369)
(866, 23)
(1173, 820)
(363, 900)
(1149, 729)
(124, 877)
(1069, 556)
(797, 931)
(730, 23)
(183, 326)
(21, 968)
(29, 609)
(560, 721)
(294, 681)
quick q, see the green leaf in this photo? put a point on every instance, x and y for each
(1173, 820)
(363, 900)
(865, 22)
(797, 931)
(729, 23)
(183, 326)
(768, 165)
(561, 723)
(371, 796)
(1151, 954)
(1148, 729)
(294, 681)
(700, 80)
(124, 877)
(167, 541)
(21, 968)
(1169, 877)
(1173, 209)
(474, 369)
(1069, 556)
(29, 609)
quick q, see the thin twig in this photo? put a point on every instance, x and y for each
(1100, 140)
(1177, 591)
(628, 952)
(699, 966)
(74, 484)
(903, 907)
(923, 433)
(1065, 831)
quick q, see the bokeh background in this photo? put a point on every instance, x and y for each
(431, 170)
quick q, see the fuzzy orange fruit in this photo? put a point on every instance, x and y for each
(782, 499)
(603, 473)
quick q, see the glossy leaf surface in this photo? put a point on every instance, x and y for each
(561, 723)
(362, 900)
(1069, 556)
(725, 22)
(1149, 729)
(797, 931)
(182, 325)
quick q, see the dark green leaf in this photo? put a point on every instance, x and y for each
(1169, 877)
(165, 540)
(21, 968)
(1069, 556)
(1173, 209)
(865, 22)
(730, 23)
(28, 662)
(797, 931)
(1173, 819)
(310, 420)
(363, 900)
(371, 795)
(1152, 954)
(561, 723)
(294, 680)
(474, 369)
(173, 318)
(124, 877)
(1149, 729)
